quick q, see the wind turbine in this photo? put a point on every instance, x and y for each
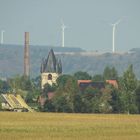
(113, 34)
(2, 36)
(63, 27)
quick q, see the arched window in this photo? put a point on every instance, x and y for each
(49, 77)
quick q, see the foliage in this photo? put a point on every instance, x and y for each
(28, 88)
(20, 82)
(129, 81)
(4, 86)
(110, 73)
(63, 104)
(62, 79)
(48, 107)
(68, 97)
(138, 97)
(97, 78)
(65, 94)
(29, 97)
(128, 86)
(49, 88)
(115, 101)
(0, 104)
(82, 75)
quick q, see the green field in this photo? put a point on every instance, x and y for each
(57, 126)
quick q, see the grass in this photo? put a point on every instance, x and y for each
(60, 126)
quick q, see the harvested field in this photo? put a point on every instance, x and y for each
(62, 126)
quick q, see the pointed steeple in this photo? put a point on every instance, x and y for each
(42, 65)
(59, 66)
(51, 64)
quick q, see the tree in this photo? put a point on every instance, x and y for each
(71, 86)
(82, 75)
(0, 104)
(29, 98)
(4, 86)
(49, 106)
(97, 78)
(115, 101)
(137, 92)
(91, 92)
(129, 81)
(110, 73)
(20, 82)
(128, 84)
(65, 92)
(36, 87)
(37, 82)
(90, 98)
(25, 83)
(78, 103)
(26, 87)
(67, 84)
(14, 83)
(104, 100)
(61, 80)
(49, 88)
(62, 104)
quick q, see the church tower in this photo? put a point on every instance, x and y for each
(51, 68)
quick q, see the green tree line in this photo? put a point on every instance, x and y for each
(69, 98)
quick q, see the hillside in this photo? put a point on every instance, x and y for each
(95, 64)
(73, 59)
(11, 58)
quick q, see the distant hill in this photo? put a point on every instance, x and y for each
(11, 58)
(73, 59)
(95, 64)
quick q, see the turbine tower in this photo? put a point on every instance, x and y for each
(63, 27)
(2, 37)
(113, 35)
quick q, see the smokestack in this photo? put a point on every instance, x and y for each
(26, 55)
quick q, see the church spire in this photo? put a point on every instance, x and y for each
(51, 68)
(51, 64)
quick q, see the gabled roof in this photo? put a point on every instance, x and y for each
(14, 102)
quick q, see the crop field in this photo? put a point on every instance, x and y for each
(62, 126)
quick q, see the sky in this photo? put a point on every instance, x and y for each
(88, 23)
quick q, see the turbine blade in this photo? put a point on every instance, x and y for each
(62, 22)
(118, 21)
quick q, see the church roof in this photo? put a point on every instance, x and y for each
(51, 64)
(96, 85)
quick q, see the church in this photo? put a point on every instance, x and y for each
(51, 69)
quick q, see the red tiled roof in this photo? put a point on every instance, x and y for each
(112, 82)
(84, 81)
(50, 95)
